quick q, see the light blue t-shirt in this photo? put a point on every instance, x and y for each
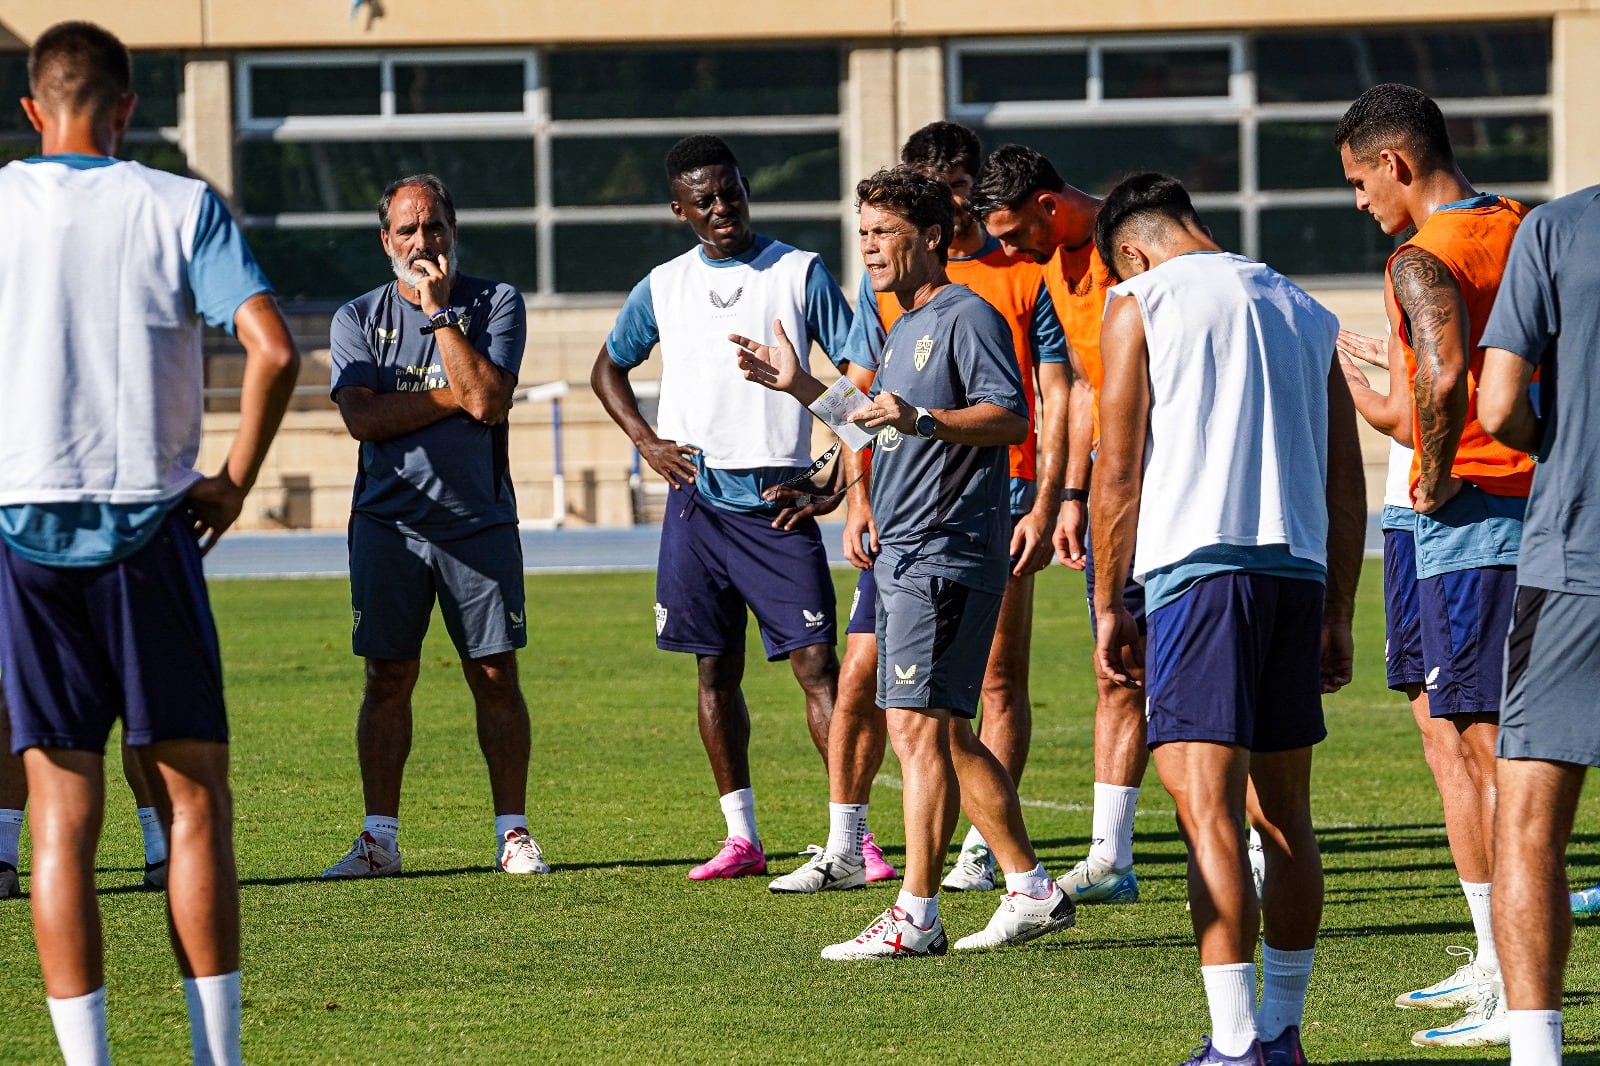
(828, 321)
(1165, 585)
(222, 275)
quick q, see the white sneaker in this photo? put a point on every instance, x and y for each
(520, 855)
(973, 871)
(366, 858)
(1485, 1024)
(891, 936)
(1461, 989)
(1021, 918)
(1095, 882)
(822, 873)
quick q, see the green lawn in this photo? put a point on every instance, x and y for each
(618, 957)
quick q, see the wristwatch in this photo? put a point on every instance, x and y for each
(1074, 495)
(925, 424)
(443, 318)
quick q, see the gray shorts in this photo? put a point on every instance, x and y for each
(394, 579)
(933, 635)
(1552, 676)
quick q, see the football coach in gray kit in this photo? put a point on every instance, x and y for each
(947, 402)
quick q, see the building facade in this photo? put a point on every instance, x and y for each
(549, 122)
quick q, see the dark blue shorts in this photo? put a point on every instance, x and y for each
(1132, 592)
(1464, 617)
(81, 647)
(715, 563)
(864, 605)
(1237, 659)
(1402, 645)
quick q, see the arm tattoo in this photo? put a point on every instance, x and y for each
(1431, 301)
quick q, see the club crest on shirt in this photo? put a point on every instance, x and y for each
(722, 305)
(887, 353)
(386, 336)
(919, 354)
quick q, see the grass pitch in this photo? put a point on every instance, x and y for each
(616, 957)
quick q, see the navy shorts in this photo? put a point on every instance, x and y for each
(1552, 674)
(1402, 644)
(933, 642)
(1132, 592)
(1465, 616)
(864, 605)
(81, 647)
(1237, 659)
(715, 563)
(395, 578)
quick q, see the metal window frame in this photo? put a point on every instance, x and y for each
(1240, 108)
(533, 122)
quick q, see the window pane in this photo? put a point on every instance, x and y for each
(655, 83)
(1225, 227)
(1324, 240)
(14, 86)
(158, 79)
(1145, 74)
(592, 171)
(1503, 149)
(314, 89)
(457, 88)
(1204, 158)
(988, 78)
(1299, 155)
(612, 257)
(350, 176)
(335, 265)
(1482, 61)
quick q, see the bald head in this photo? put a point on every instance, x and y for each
(79, 69)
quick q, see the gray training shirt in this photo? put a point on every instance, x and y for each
(944, 508)
(452, 478)
(1548, 312)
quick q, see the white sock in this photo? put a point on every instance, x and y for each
(1284, 977)
(1535, 1037)
(505, 823)
(739, 808)
(1111, 840)
(214, 1012)
(10, 836)
(1231, 995)
(155, 839)
(922, 910)
(1034, 882)
(974, 839)
(847, 828)
(80, 1024)
(384, 829)
(1478, 904)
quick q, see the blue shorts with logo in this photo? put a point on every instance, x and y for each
(1402, 645)
(1237, 659)
(715, 563)
(1464, 617)
(81, 647)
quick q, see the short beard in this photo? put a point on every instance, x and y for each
(401, 265)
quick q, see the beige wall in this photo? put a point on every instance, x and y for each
(326, 23)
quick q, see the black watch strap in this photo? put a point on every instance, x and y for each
(1074, 495)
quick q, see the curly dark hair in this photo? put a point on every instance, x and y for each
(1135, 202)
(697, 151)
(1011, 174)
(1395, 116)
(941, 147)
(915, 197)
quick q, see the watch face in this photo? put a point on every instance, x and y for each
(925, 425)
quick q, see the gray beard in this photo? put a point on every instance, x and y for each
(406, 276)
